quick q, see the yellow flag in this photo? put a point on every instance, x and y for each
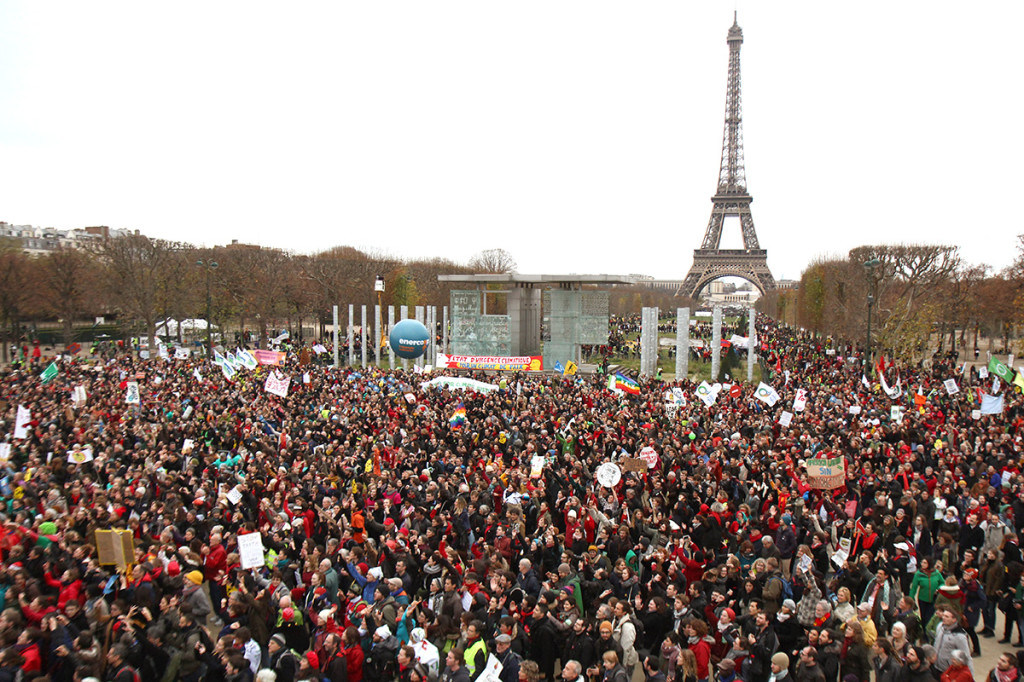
(1018, 381)
(570, 368)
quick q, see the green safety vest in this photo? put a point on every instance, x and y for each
(471, 652)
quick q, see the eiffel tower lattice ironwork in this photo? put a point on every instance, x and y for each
(711, 261)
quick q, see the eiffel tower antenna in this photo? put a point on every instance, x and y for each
(732, 199)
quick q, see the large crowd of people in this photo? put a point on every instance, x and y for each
(401, 543)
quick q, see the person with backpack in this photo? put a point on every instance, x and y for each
(283, 660)
(776, 588)
(625, 633)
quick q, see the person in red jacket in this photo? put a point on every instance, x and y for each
(69, 586)
(215, 570)
(696, 632)
(353, 653)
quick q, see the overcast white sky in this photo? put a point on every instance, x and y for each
(580, 136)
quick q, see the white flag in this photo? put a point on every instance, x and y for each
(196, 374)
(767, 394)
(21, 422)
(800, 401)
(991, 404)
(995, 384)
(706, 393)
(864, 380)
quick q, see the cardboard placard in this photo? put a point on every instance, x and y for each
(115, 548)
(633, 464)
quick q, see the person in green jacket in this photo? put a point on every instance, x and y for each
(924, 585)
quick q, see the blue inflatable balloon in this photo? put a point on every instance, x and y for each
(409, 339)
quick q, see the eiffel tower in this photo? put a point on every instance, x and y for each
(711, 261)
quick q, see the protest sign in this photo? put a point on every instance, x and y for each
(234, 495)
(277, 384)
(250, 550)
(649, 455)
(786, 418)
(269, 357)
(5, 452)
(131, 393)
(115, 548)
(800, 400)
(21, 422)
(80, 455)
(826, 474)
(951, 387)
(609, 475)
(632, 464)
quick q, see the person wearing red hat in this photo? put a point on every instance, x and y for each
(309, 667)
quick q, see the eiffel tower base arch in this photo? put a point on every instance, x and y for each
(711, 264)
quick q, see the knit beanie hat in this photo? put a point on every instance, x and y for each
(195, 577)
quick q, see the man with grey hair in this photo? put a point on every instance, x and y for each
(572, 671)
(527, 580)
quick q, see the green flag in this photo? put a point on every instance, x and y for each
(1000, 370)
(50, 372)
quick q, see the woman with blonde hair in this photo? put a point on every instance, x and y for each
(844, 610)
(686, 667)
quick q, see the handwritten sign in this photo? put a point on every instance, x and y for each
(630, 464)
(826, 474)
(250, 550)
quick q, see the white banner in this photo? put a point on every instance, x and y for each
(5, 452)
(250, 550)
(79, 396)
(21, 422)
(277, 384)
(182, 353)
(319, 349)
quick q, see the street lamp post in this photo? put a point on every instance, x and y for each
(870, 266)
(208, 266)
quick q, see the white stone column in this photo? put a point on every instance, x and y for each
(716, 342)
(682, 343)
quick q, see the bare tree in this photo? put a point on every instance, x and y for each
(68, 277)
(497, 261)
(136, 267)
(15, 291)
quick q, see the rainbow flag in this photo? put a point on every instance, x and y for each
(624, 383)
(458, 417)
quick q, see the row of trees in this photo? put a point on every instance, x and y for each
(923, 297)
(143, 281)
